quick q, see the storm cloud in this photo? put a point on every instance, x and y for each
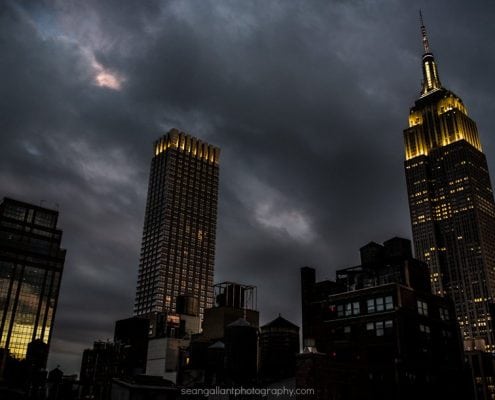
(307, 100)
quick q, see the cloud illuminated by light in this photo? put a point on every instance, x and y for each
(106, 78)
(273, 210)
(291, 221)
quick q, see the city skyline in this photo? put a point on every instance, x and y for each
(307, 122)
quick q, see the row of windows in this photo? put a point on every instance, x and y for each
(386, 303)
(20, 213)
(380, 328)
(377, 304)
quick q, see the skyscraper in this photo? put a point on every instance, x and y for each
(31, 265)
(178, 246)
(451, 204)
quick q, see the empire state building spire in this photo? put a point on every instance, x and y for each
(426, 44)
(431, 81)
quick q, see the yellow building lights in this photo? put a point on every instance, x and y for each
(187, 144)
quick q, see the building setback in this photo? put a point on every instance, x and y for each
(381, 324)
(451, 205)
(178, 245)
(31, 265)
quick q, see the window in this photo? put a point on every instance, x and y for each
(347, 329)
(348, 309)
(389, 303)
(422, 308)
(380, 304)
(371, 305)
(380, 328)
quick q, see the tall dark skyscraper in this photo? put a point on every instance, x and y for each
(451, 204)
(178, 246)
(31, 265)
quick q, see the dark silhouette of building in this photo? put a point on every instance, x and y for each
(142, 346)
(205, 361)
(241, 352)
(178, 246)
(61, 387)
(131, 337)
(99, 366)
(380, 322)
(279, 345)
(233, 301)
(35, 362)
(328, 379)
(55, 384)
(451, 205)
(482, 366)
(31, 265)
(215, 363)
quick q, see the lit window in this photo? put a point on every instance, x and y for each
(389, 303)
(380, 304)
(348, 309)
(379, 328)
(422, 308)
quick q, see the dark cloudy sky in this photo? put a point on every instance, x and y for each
(307, 100)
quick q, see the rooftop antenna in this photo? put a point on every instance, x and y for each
(426, 44)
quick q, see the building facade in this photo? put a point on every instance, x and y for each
(451, 204)
(178, 245)
(381, 324)
(31, 265)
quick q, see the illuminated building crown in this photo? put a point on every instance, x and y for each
(439, 116)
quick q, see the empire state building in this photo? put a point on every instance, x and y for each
(451, 204)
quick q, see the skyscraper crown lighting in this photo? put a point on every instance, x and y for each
(439, 117)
